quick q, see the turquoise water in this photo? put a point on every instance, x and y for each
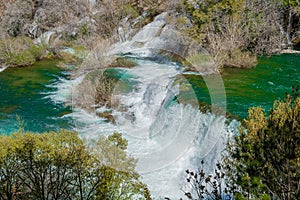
(23, 99)
(25, 102)
(259, 86)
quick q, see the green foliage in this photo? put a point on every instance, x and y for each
(198, 58)
(203, 13)
(235, 32)
(61, 166)
(84, 29)
(239, 59)
(118, 141)
(131, 11)
(264, 159)
(291, 3)
(22, 58)
(37, 51)
(119, 180)
(39, 163)
(20, 51)
(221, 27)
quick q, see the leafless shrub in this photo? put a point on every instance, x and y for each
(67, 13)
(105, 87)
(226, 44)
(17, 17)
(96, 90)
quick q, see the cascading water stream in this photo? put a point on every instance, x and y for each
(165, 135)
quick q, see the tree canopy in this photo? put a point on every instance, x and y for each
(235, 32)
(261, 162)
(61, 166)
(264, 159)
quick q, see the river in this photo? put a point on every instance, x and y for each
(25, 102)
(166, 136)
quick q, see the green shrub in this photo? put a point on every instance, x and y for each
(20, 51)
(37, 51)
(264, 156)
(22, 58)
(131, 11)
(84, 29)
(61, 165)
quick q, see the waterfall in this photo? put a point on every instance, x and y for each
(167, 136)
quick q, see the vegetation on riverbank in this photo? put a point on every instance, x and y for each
(264, 157)
(233, 32)
(261, 162)
(20, 51)
(62, 166)
(98, 89)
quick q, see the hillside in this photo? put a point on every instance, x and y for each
(233, 33)
(3, 7)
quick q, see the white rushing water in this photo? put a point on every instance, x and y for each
(63, 89)
(166, 139)
(166, 136)
(3, 67)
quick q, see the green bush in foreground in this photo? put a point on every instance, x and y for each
(61, 166)
(264, 159)
(262, 162)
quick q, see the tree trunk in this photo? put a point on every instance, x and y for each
(80, 186)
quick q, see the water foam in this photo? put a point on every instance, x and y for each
(3, 67)
(166, 136)
(63, 89)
